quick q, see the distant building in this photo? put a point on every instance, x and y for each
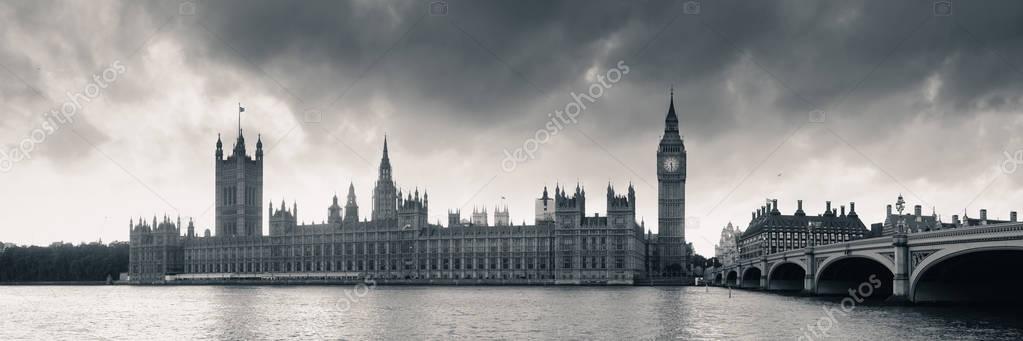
(351, 207)
(501, 216)
(770, 231)
(455, 218)
(727, 250)
(544, 208)
(910, 222)
(983, 219)
(917, 222)
(479, 216)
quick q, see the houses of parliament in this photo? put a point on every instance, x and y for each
(396, 244)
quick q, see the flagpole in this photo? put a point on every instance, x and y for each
(239, 118)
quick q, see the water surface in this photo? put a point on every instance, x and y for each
(407, 312)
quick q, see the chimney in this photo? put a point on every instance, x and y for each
(827, 204)
(852, 209)
(799, 208)
(774, 202)
(1012, 216)
(955, 219)
(983, 214)
(843, 210)
(888, 210)
(916, 210)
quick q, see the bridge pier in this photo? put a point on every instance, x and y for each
(763, 273)
(809, 285)
(900, 284)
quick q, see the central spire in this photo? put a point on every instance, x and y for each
(385, 148)
(385, 163)
(384, 199)
(671, 122)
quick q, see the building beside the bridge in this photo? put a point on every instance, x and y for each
(770, 231)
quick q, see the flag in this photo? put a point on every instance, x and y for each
(240, 111)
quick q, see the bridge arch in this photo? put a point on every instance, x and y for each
(732, 278)
(786, 275)
(865, 276)
(718, 278)
(751, 277)
(986, 274)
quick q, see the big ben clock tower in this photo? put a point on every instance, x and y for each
(671, 198)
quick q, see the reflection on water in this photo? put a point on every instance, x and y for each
(338, 312)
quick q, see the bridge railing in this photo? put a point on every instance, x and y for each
(962, 231)
(968, 230)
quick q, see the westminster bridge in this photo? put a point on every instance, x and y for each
(969, 264)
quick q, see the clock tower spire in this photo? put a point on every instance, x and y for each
(671, 198)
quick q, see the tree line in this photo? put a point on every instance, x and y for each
(63, 262)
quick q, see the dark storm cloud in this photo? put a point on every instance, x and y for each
(52, 54)
(483, 60)
(455, 90)
(478, 65)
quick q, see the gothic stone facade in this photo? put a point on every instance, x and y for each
(398, 244)
(670, 242)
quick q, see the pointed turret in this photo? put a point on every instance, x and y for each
(239, 145)
(351, 194)
(259, 147)
(351, 206)
(220, 148)
(334, 212)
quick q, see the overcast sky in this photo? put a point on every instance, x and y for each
(915, 103)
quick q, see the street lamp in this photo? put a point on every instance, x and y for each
(810, 227)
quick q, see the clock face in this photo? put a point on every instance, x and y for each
(670, 164)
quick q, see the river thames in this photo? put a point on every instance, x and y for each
(407, 312)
